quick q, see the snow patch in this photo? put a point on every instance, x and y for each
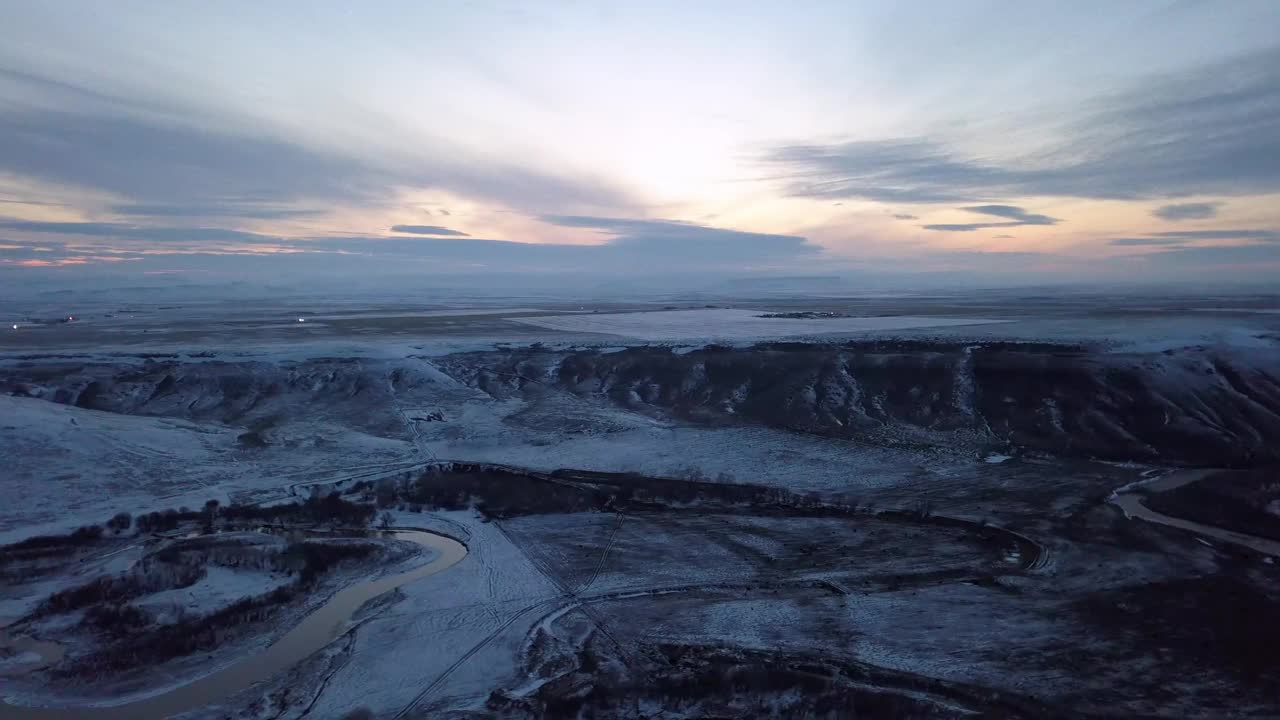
(219, 588)
(728, 324)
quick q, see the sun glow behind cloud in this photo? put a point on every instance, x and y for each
(887, 135)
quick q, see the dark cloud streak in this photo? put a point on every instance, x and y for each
(1228, 234)
(427, 230)
(685, 241)
(1145, 241)
(250, 210)
(124, 231)
(160, 164)
(1182, 237)
(632, 245)
(1187, 211)
(1259, 259)
(1016, 217)
(166, 158)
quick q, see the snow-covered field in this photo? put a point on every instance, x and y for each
(715, 324)
(1256, 311)
(935, 601)
(458, 312)
(217, 589)
(451, 635)
(64, 465)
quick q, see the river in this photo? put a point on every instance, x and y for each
(314, 632)
(1131, 504)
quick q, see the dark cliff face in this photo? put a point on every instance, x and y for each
(1195, 406)
(236, 393)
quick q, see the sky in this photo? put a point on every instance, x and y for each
(1030, 141)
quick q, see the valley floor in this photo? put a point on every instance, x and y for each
(947, 555)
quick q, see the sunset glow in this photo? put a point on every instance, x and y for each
(884, 136)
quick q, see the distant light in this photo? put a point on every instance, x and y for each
(302, 319)
(15, 326)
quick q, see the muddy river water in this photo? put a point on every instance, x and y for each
(1133, 507)
(314, 632)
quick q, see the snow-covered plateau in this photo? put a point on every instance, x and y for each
(641, 512)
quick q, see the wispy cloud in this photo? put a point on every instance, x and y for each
(225, 209)
(14, 251)
(1214, 129)
(906, 170)
(161, 163)
(170, 163)
(33, 203)
(1261, 259)
(1227, 234)
(124, 231)
(632, 246)
(44, 255)
(629, 245)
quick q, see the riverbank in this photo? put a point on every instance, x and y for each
(316, 630)
(1130, 500)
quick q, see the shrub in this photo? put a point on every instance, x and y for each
(116, 619)
(81, 536)
(120, 522)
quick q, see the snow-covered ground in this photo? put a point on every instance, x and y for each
(444, 642)
(335, 329)
(63, 465)
(454, 634)
(455, 312)
(219, 588)
(1258, 311)
(715, 324)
